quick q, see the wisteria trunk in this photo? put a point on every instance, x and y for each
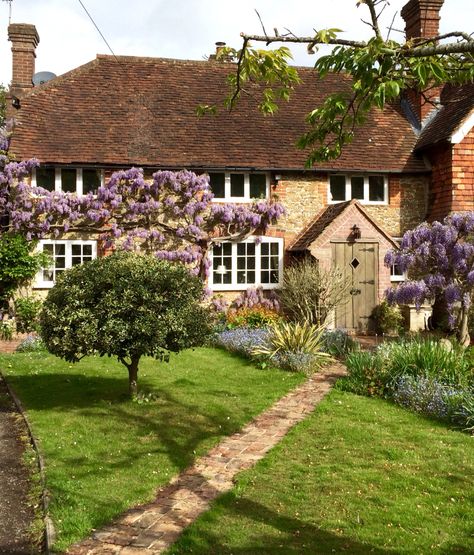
(463, 330)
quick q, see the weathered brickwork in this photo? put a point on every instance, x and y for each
(463, 174)
(452, 178)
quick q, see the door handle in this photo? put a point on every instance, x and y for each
(355, 291)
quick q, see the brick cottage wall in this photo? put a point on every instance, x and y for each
(452, 178)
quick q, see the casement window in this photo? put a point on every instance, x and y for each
(239, 187)
(396, 274)
(369, 189)
(68, 180)
(236, 266)
(63, 255)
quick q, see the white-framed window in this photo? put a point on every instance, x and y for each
(237, 266)
(68, 180)
(239, 186)
(396, 274)
(369, 189)
(63, 255)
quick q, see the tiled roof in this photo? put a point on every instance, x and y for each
(457, 104)
(142, 111)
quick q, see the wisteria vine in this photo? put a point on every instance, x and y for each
(439, 261)
(171, 216)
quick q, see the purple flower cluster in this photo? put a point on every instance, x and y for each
(171, 215)
(255, 297)
(439, 260)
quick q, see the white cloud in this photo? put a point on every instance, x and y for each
(184, 28)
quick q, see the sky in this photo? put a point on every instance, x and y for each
(187, 29)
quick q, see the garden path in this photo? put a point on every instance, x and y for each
(16, 513)
(152, 528)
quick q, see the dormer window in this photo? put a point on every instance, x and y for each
(68, 180)
(239, 187)
(369, 189)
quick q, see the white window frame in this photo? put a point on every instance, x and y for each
(246, 197)
(57, 178)
(395, 277)
(365, 200)
(39, 282)
(233, 285)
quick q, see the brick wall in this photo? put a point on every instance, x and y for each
(463, 173)
(452, 178)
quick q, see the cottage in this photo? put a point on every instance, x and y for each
(411, 162)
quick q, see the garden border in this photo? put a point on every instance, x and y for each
(49, 532)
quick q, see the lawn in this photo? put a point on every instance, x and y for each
(358, 476)
(105, 453)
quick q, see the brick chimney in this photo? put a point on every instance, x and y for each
(24, 39)
(421, 23)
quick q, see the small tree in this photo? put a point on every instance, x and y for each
(310, 293)
(17, 265)
(125, 305)
(439, 261)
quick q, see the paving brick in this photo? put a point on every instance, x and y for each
(152, 528)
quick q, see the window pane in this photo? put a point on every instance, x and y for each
(258, 185)
(76, 250)
(264, 248)
(338, 187)
(59, 249)
(91, 181)
(376, 188)
(227, 249)
(48, 249)
(45, 178)
(76, 260)
(357, 187)
(274, 249)
(217, 182)
(87, 250)
(60, 262)
(237, 185)
(68, 180)
(241, 249)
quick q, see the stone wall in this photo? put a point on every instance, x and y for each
(305, 196)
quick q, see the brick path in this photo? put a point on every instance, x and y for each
(152, 528)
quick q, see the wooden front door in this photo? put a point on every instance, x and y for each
(359, 262)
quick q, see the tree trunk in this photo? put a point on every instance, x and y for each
(133, 376)
(463, 330)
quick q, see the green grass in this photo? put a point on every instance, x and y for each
(358, 476)
(105, 453)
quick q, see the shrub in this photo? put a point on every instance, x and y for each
(430, 359)
(17, 265)
(31, 344)
(27, 311)
(387, 319)
(310, 293)
(257, 317)
(292, 341)
(367, 375)
(125, 305)
(338, 342)
(7, 329)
